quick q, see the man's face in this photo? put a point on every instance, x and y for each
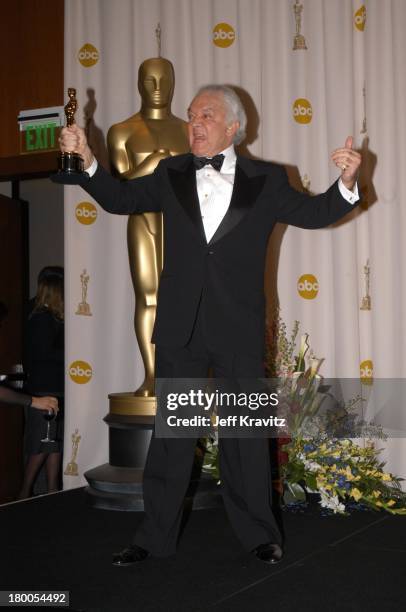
(209, 131)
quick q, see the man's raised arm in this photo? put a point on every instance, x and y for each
(118, 197)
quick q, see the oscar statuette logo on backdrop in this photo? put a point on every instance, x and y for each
(83, 307)
(366, 298)
(72, 467)
(299, 42)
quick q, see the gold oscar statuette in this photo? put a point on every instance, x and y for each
(136, 145)
(72, 467)
(366, 300)
(70, 163)
(83, 306)
(299, 41)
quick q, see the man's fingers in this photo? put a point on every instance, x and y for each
(348, 152)
(72, 138)
(348, 142)
(345, 161)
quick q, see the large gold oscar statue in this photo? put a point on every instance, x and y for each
(136, 145)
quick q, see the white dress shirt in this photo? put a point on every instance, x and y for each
(214, 190)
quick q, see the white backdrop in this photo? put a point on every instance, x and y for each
(349, 80)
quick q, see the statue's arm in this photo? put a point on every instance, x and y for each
(122, 159)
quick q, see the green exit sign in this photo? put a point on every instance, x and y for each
(39, 137)
(40, 128)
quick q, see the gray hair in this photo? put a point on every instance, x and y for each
(234, 108)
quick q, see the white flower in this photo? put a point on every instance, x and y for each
(312, 466)
(331, 502)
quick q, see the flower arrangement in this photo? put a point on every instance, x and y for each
(319, 457)
(341, 471)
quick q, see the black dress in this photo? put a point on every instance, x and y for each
(45, 376)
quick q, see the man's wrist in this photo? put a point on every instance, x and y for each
(351, 195)
(349, 185)
(92, 167)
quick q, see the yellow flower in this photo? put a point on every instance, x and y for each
(356, 494)
(391, 502)
(376, 493)
(387, 477)
(348, 473)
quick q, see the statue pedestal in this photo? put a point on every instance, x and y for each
(117, 485)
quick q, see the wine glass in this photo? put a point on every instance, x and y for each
(48, 415)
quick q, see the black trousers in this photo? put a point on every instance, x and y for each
(244, 462)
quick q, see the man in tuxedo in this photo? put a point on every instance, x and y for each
(219, 209)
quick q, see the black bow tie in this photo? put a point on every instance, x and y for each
(216, 162)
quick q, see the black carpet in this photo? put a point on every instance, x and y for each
(348, 564)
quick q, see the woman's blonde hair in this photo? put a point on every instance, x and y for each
(50, 295)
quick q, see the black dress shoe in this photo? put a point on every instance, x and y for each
(129, 556)
(268, 553)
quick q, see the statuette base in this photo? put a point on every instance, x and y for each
(299, 42)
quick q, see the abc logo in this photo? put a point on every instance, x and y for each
(360, 18)
(366, 370)
(302, 110)
(88, 55)
(223, 35)
(308, 286)
(80, 372)
(86, 213)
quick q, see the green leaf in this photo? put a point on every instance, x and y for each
(294, 493)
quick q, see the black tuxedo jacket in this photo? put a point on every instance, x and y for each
(229, 270)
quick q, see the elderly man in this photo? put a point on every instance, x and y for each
(219, 210)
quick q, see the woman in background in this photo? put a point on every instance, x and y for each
(17, 398)
(45, 371)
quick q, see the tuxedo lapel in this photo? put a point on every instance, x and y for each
(245, 192)
(183, 181)
(247, 187)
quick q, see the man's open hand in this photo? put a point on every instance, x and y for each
(349, 162)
